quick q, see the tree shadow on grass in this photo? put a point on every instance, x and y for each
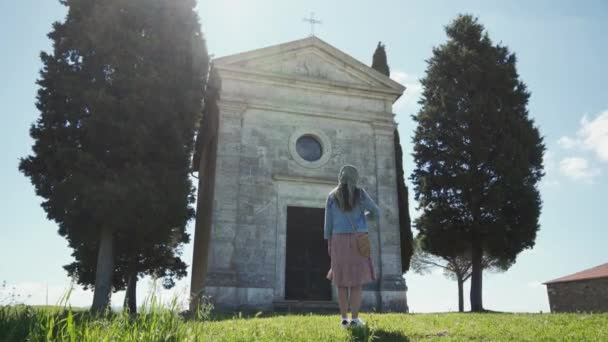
(367, 334)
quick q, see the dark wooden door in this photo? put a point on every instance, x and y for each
(307, 261)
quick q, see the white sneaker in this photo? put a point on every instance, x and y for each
(345, 323)
(357, 323)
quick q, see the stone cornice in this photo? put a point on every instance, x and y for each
(303, 179)
(231, 108)
(351, 115)
(305, 82)
(384, 128)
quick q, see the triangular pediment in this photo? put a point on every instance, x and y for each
(310, 60)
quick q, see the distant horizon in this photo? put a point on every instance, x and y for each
(560, 58)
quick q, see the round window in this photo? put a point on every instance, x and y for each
(309, 148)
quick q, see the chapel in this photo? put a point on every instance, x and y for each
(288, 117)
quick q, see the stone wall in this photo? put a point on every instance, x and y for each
(579, 296)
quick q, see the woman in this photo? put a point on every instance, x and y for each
(344, 221)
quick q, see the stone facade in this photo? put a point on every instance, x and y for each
(589, 295)
(269, 98)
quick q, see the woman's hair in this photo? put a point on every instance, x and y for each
(347, 193)
(346, 198)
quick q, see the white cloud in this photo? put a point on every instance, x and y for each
(578, 169)
(592, 135)
(409, 100)
(567, 142)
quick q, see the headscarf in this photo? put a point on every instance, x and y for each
(346, 193)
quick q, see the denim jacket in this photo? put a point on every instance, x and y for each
(336, 221)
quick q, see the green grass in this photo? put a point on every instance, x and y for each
(158, 324)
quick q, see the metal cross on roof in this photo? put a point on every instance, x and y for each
(312, 22)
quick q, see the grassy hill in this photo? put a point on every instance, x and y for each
(21, 323)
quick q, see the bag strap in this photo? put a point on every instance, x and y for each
(352, 225)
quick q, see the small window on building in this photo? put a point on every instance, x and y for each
(309, 148)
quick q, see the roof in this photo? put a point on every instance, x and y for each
(596, 272)
(266, 61)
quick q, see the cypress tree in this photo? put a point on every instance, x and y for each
(380, 63)
(406, 237)
(379, 60)
(118, 97)
(204, 161)
(478, 155)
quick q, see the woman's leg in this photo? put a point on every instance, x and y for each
(355, 301)
(343, 301)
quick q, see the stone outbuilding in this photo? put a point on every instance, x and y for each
(289, 116)
(585, 291)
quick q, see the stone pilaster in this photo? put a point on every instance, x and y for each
(222, 272)
(391, 283)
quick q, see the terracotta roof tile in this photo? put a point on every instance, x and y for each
(600, 271)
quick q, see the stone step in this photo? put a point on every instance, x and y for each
(305, 306)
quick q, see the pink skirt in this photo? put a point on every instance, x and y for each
(348, 267)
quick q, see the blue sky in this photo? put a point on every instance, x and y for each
(561, 48)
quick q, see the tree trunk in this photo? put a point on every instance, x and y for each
(104, 272)
(130, 303)
(476, 276)
(460, 294)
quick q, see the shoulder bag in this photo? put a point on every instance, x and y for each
(362, 240)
